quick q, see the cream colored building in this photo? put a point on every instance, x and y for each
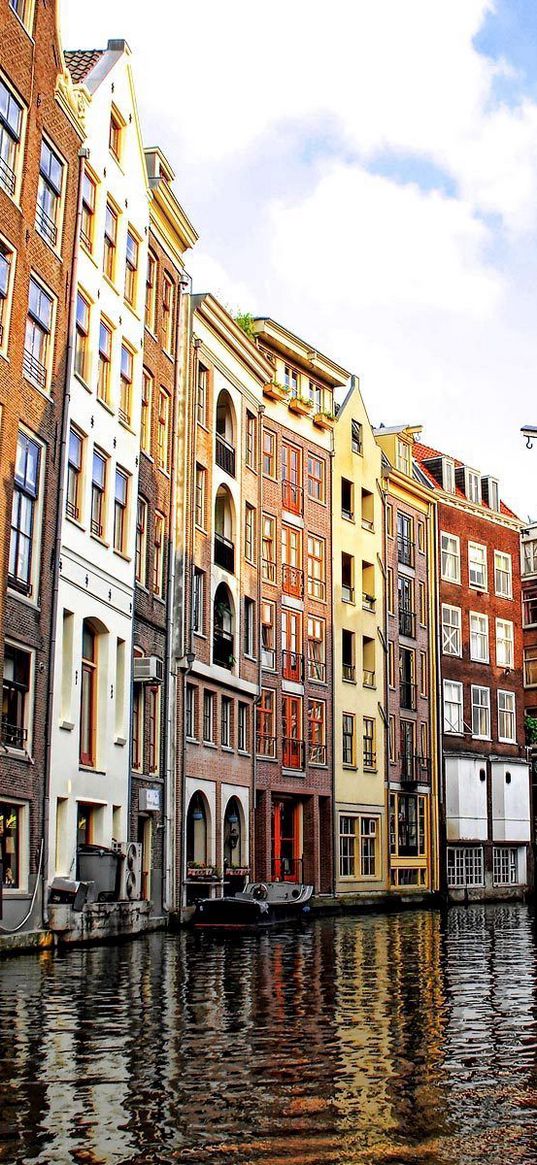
(359, 653)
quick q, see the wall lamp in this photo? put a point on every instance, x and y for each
(530, 433)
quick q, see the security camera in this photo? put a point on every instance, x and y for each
(530, 433)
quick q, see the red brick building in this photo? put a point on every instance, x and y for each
(486, 779)
(529, 631)
(40, 139)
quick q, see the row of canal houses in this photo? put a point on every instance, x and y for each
(244, 635)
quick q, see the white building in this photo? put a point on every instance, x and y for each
(90, 761)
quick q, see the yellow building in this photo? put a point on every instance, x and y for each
(359, 653)
(412, 665)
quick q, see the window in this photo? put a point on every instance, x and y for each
(424, 676)
(269, 453)
(505, 649)
(292, 576)
(407, 825)
(138, 715)
(159, 523)
(421, 537)
(316, 478)
(423, 604)
(145, 418)
(201, 475)
(131, 268)
(390, 596)
(529, 551)
(114, 138)
(49, 194)
(292, 645)
(10, 844)
(316, 649)
(292, 732)
(208, 717)
(392, 749)
(120, 510)
(473, 486)
(369, 755)
(249, 627)
(405, 539)
(249, 533)
(481, 712)
(151, 292)
(347, 845)
(450, 557)
(110, 241)
(451, 630)
(10, 138)
(389, 519)
(479, 637)
(356, 437)
(141, 542)
(529, 606)
(290, 379)
(368, 847)
(504, 866)
(88, 696)
(391, 664)
(82, 337)
(125, 384)
(530, 667)
(506, 716)
(23, 525)
(347, 578)
(87, 214)
(316, 732)
(503, 574)
(268, 635)
(24, 10)
(38, 336)
(316, 567)
(477, 566)
(163, 430)
(105, 362)
(225, 722)
(6, 271)
(190, 711)
(448, 475)
(265, 738)
(244, 728)
(15, 697)
(348, 656)
(268, 549)
(464, 866)
(201, 402)
(74, 470)
(98, 487)
(348, 752)
(154, 729)
(198, 591)
(251, 440)
(494, 494)
(403, 456)
(168, 297)
(453, 716)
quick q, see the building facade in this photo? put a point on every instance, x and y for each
(359, 653)
(40, 139)
(486, 776)
(411, 667)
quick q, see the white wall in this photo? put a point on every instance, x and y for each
(466, 799)
(510, 801)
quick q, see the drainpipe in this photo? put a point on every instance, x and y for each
(439, 839)
(253, 811)
(335, 842)
(384, 492)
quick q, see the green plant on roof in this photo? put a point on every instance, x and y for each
(245, 320)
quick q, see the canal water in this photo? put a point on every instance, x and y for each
(401, 1039)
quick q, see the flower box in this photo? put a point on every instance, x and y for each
(203, 873)
(324, 420)
(237, 871)
(299, 404)
(276, 391)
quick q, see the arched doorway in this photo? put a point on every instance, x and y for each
(197, 834)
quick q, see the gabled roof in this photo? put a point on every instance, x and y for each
(424, 453)
(80, 62)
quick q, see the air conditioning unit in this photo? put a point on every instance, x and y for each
(147, 669)
(133, 871)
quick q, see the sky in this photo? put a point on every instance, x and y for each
(365, 172)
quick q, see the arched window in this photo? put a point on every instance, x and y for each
(224, 548)
(196, 830)
(223, 637)
(88, 695)
(225, 433)
(233, 834)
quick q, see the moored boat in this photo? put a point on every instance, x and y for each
(260, 904)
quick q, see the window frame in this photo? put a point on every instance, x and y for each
(459, 729)
(48, 226)
(450, 555)
(483, 706)
(508, 593)
(452, 629)
(511, 712)
(473, 563)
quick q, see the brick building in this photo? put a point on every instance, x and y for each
(528, 540)
(40, 139)
(486, 778)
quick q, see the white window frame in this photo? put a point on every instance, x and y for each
(529, 557)
(7, 301)
(473, 486)
(44, 388)
(459, 729)
(503, 712)
(480, 564)
(480, 705)
(530, 667)
(448, 475)
(16, 170)
(57, 222)
(467, 859)
(505, 641)
(448, 553)
(500, 573)
(505, 865)
(451, 630)
(32, 596)
(479, 634)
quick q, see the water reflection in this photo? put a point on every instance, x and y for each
(383, 1039)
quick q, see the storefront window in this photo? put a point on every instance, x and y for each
(10, 844)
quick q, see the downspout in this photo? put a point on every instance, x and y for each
(188, 535)
(253, 812)
(335, 842)
(439, 839)
(56, 554)
(385, 679)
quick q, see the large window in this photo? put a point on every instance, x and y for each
(316, 567)
(316, 477)
(464, 866)
(268, 635)
(479, 637)
(481, 712)
(453, 716)
(10, 844)
(347, 846)
(98, 493)
(198, 594)
(87, 216)
(226, 710)
(23, 531)
(140, 572)
(349, 739)
(88, 696)
(316, 732)
(316, 649)
(265, 738)
(49, 194)
(38, 336)
(74, 474)
(209, 704)
(82, 360)
(354, 830)
(269, 453)
(249, 533)
(450, 552)
(407, 825)
(529, 559)
(451, 630)
(505, 866)
(16, 697)
(530, 667)
(110, 242)
(125, 384)
(120, 510)
(505, 647)
(249, 627)
(477, 566)
(506, 717)
(529, 606)
(105, 361)
(163, 431)
(131, 268)
(168, 298)
(503, 574)
(268, 549)
(10, 138)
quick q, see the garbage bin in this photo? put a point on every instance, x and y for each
(97, 863)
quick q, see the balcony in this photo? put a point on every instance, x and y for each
(223, 648)
(415, 769)
(7, 177)
(368, 679)
(293, 666)
(317, 754)
(265, 746)
(292, 581)
(407, 622)
(224, 553)
(368, 602)
(316, 670)
(348, 672)
(225, 455)
(46, 226)
(405, 550)
(407, 695)
(13, 735)
(72, 511)
(292, 497)
(292, 753)
(34, 370)
(287, 870)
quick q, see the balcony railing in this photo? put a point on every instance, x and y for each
(368, 601)
(293, 666)
(415, 769)
(368, 678)
(287, 869)
(347, 593)
(407, 622)
(316, 670)
(292, 497)
(316, 588)
(72, 511)
(223, 648)
(96, 528)
(349, 672)
(46, 226)
(317, 754)
(405, 550)
(268, 570)
(13, 735)
(225, 455)
(407, 695)
(292, 753)
(7, 177)
(224, 553)
(265, 746)
(34, 370)
(292, 581)
(369, 754)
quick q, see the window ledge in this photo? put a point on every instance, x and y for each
(251, 658)
(101, 541)
(17, 754)
(121, 554)
(147, 454)
(110, 282)
(104, 404)
(165, 472)
(227, 748)
(75, 522)
(208, 743)
(81, 381)
(4, 356)
(92, 769)
(243, 752)
(199, 635)
(55, 251)
(127, 425)
(351, 768)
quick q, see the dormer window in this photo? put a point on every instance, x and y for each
(403, 456)
(448, 475)
(473, 486)
(494, 494)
